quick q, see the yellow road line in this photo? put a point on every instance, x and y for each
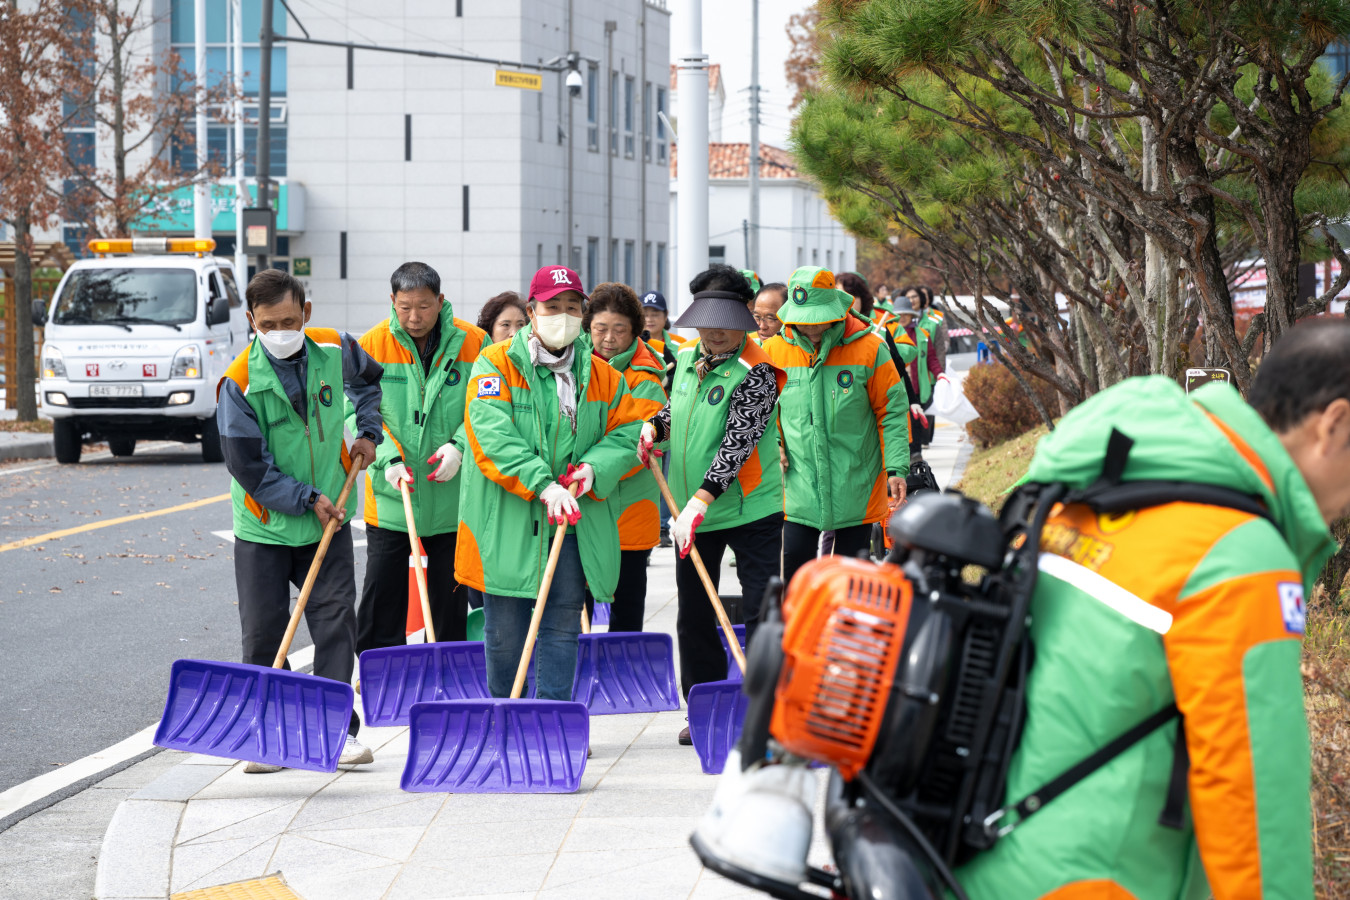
(67, 532)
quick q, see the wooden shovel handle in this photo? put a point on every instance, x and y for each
(417, 562)
(732, 641)
(329, 530)
(554, 552)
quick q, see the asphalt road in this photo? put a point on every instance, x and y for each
(90, 622)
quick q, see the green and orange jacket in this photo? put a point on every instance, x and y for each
(422, 411)
(1196, 605)
(636, 498)
(844, 421)
(520, 443)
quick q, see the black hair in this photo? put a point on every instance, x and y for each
(487, 317)
(613, 296)
(413, 276)
(1304, 373)
(722, 277)
(777, 287)
(272, 286)
(855, 286)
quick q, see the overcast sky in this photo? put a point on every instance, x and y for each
(726, 40)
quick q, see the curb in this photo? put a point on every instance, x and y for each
(40, 447)
(135, 859)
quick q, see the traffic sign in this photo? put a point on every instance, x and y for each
(522, 80)
(1200, 377)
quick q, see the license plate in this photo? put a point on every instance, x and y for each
(116, 390)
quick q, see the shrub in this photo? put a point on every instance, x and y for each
(1004, 407)
(1326, 682)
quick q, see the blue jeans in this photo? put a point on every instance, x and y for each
(506, 620)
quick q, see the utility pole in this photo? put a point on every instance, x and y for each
(692, 177)
(569, 233)
(241, 197)
(753, 252)
(201, 190)
(263, 167)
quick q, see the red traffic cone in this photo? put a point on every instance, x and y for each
(415, 623)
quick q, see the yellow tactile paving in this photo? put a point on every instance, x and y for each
(271, 887)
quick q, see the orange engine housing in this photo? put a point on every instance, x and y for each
(844, 626)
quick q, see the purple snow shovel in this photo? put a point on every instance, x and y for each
(718, 707)
(624, 672)
(495, 746)
(258, 714)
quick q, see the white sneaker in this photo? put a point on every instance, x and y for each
(355, 753)
(257, 768)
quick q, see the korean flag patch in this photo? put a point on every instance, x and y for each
(1291, 606)
(490, 386)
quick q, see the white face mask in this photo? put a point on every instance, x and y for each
(282, 344)
(557, 331)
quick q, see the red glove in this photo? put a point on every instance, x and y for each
(583, 476)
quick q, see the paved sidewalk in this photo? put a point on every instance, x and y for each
(354, 834)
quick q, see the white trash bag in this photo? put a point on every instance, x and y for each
(950, 404)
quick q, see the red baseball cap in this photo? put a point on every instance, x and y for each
(550, 281)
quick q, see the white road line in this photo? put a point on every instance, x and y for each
(104, 454)
(35, 789)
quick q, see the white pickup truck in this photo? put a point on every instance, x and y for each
(136, 339)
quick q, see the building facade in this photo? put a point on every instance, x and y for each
(379, 158)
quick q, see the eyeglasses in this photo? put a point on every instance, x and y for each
(766, 320)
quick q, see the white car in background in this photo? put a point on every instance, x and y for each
(136, 339)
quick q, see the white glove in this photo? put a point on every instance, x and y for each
(645, 442)
(397, 473)
(449, 458)
(682, 529)
(562, 506)
(583, 476)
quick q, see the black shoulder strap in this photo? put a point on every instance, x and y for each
(1037, 799)
(1172, 815)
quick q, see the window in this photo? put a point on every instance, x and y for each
(829, 260)
(538, 257)
(629, 99)
(801, 259)
(1337, 59)
(614, 259)
(575, 262)
(628, 253)
(646, 130)
(593, 108)
(646, 265)
(660, 126)
(613, 113)
(592, 261)
(661, 268)
(815, 256)
(717, 253)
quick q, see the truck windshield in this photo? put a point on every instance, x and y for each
(128, 297)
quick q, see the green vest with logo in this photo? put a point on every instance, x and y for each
(422, 410)
(311, 449)
(698, 423)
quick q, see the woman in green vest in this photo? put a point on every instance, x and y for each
(724, 472)
(542, 414)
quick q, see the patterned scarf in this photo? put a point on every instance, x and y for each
(709, 361)
(561, 367)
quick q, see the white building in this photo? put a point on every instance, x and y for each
(380, 158)
(795, 225)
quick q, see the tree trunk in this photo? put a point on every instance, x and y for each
(24, 378)
(121, 206)
(1282, 254)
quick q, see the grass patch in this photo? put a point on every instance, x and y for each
(41, 426)
(1326, 678)
(992, 470)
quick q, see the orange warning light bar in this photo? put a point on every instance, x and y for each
(151, 245)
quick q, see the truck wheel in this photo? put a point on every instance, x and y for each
(211, 451)
(122, 446)
(67, 439)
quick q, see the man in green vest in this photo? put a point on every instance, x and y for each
(280, 411)
(427, 355)
(724, 470)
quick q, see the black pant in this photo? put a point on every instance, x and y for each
(921, 436)
(758, 547)
(799, 544)
(263, 575)
(382, 617)
(628, 610)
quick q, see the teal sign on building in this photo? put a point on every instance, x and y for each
(173, 212)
